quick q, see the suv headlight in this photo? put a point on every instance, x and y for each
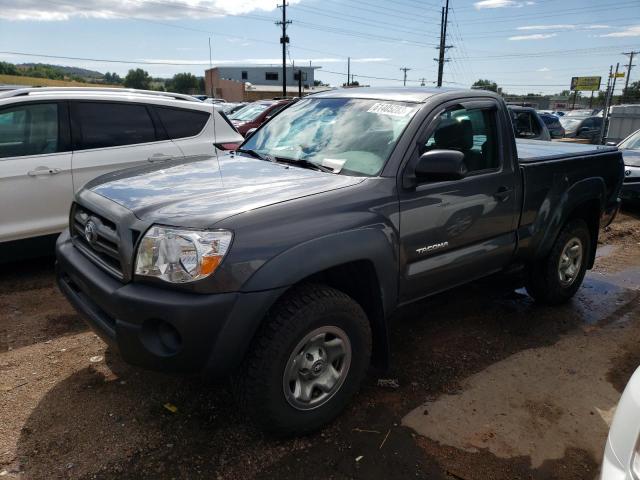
(181, 256)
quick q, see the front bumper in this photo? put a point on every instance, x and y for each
(630, 191)
(157, 328)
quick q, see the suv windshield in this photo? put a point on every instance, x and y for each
(350, 136)
(250, 112)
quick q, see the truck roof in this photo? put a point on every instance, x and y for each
(399, 94)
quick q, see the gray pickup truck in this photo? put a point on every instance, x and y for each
(280, 263)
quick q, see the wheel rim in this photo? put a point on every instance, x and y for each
(317, 368)
(570, 262)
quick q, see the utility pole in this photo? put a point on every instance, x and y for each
(629, 66)
(607, 97)
(405, 70)
(348, 71)
(443, 41)
(284, 40)
(299, 83)
(422, 81)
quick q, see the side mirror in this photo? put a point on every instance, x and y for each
(249, 133)
(441, 165)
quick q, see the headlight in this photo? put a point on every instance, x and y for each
(180, 256)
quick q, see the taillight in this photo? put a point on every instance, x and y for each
(226, 146)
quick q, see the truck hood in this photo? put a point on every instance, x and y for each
(207, 190)
(631, 157)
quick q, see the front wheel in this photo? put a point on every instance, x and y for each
(307, 361)
(556, 278)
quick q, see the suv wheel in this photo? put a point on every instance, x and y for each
(306, 362)
(558, 277)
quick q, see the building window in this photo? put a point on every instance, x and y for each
(271, 76)
(244, 75)
(296, 76)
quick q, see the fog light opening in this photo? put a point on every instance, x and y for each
(161, 338)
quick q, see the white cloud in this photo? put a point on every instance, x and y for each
(43, 10)
(559, 26)
(562, 26)
(629, 32)
(501, 4)
(535, 36)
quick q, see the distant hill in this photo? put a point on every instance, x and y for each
(67, 71)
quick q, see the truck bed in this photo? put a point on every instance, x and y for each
(531, 151)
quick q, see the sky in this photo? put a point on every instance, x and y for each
(524, 45)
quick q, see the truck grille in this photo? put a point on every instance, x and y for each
(97, 237)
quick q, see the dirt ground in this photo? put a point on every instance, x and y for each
(491, 386)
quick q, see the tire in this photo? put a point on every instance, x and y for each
(309, 331)
(546, 282)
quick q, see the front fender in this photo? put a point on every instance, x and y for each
(377, 244)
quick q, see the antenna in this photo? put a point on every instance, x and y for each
(213, 107)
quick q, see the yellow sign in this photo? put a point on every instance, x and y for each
(588, 84)
(617, 75)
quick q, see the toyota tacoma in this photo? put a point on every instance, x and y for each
(280, 264)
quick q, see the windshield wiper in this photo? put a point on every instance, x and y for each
(254, 154)
(305, 164)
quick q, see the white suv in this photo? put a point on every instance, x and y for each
(54, 140)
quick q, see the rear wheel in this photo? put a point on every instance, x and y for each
(306, 362)
(557, 278)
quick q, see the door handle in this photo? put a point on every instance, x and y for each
(159, 157)
(503, 194)
(43, 171)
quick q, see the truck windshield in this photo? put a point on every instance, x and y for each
(347, 135)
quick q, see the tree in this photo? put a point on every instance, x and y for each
(486, 85)
(184, 83)
(112, 78)
(137, 78)
(631, 93)
(7, 68)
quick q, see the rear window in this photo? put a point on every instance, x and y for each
(180, 123)
(103, 124)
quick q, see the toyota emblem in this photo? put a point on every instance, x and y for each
(91, 232)
(627, 173)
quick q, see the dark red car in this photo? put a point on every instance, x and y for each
(256, 113)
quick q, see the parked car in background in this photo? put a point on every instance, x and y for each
(553, 124)
(630, 148)
(528, 124)
(582, 127)
(230, 107)
(54, 140)
(622, 452)
(282, 262)
(256, 113)
(584, 112)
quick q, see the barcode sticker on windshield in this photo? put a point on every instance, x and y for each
(390, 109)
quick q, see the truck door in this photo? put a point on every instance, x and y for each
(454, 231)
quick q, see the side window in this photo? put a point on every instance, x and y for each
(271, 76)
(245, 75)
(472, 132)
(103, 124)
(30, 129)
(180, 123)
